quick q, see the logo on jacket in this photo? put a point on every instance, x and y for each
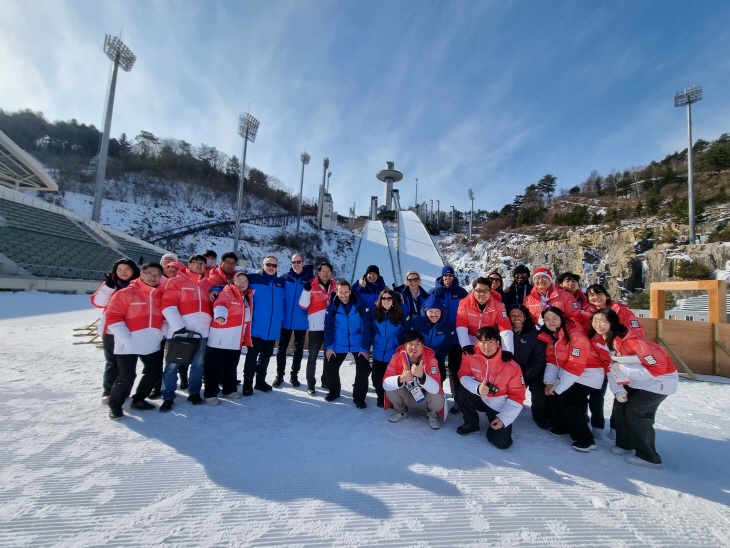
(504, 314)
(575, 305)
(575, 352)
(434, 370)
(650, 360)
(635, 323)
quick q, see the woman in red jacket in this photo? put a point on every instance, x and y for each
(645, 383)
(599, 298)
(229, 331)
(573, 371)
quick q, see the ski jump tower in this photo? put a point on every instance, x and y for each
(389, 176)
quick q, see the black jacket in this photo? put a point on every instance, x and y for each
(516, 294)
(530, 352)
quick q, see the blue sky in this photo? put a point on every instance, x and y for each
(459, 94)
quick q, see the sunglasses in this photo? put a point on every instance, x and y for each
(481, 291)
(447, 275)
(297, 262)
(413, 280)
(271, 265)
(494, 279)
(386, 298)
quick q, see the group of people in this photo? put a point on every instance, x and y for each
(492, 343)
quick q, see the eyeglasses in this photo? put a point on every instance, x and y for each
(481, 291)
(447, 275)
(410, 280)
(386, 298)
(151, 275)
(297, 262)
(271, 265)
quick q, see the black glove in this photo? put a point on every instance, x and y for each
(180, 331)
(469, 349)
(308, 286)
(110, 280)
(506, 356)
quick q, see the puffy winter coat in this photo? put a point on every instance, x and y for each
(134, 317)
(370, 293)
(347, 328)
(451, 296)
(516, 294)
(315, 302)
(505, 375)
(655, 374)
(555, 296)
(412, 306)
(217, 277)
(268, 302)
(440, 335)
(294, 316)
(530, 352)
(387, 337)
(237, 309)
(186, 303)
(572, 361)
(400, 362)
(625, 316)
(469, 319)
(100, 299)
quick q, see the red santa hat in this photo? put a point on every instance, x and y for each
(542, 272)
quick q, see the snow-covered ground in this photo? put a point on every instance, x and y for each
(374, 249)
(417, 250)
(287, 469)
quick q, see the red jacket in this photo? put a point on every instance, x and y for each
(469, 319)
(100, 299)
(186, 303)
(217, 277)
(400, 362)
(316, 301)
(237, 310)
(556, 296)
(134, 317)
(574, 361)
(625, 316)
(505, 375)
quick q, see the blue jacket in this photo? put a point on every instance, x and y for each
(347, 327)
(440, 335)
(295, 317)
(387, 337)
(268, 305)
(412, 306)
(450, 296)
(370, 293)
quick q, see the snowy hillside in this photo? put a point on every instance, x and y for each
(289, 469)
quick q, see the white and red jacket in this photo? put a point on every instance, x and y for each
(100, 299)
(237, 309)
(217, 277)
(316, 301)
(400, 363)
(134, 317)
(625, 316)
(505, 375)
(555, 296)
(655, 374)
(469, 319)
(572, 361)
(186, 303)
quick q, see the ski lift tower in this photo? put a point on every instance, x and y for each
(389, 176)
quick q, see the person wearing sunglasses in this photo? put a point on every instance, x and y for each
(437, 330)
(390, 323)
(412, 294)
(347, 330)
(134, 317)
(495, 278)
(295, 320)
(369, 286)
(450, 293)
(269, 296)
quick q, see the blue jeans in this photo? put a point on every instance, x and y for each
(169, 376)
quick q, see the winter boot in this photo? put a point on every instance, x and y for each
(278, 381)
(294, 380)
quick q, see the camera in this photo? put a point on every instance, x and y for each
(492, 389)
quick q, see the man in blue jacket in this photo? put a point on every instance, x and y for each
(437, 330)
(450, 293)
(295, 320)
(268, 315)
(370, 286)
(347, 329)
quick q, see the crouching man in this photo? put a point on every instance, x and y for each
(491, 385)
(134, 317)
(413, 381)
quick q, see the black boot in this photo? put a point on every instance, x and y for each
(294, 380)
(183, 372)
(278, 381)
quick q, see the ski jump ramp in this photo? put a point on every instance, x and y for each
(416, 250)
(373, 249)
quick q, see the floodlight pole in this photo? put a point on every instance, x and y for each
(417, 195)
(117, 52)
(305, 160)
(452, 220)
(471, 217)
(248, 126)
(438, 215)
(687, 97)
(326, 164)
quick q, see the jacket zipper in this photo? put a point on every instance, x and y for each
(271, 317)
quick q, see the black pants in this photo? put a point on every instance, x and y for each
(572, 413)
(220, 361)
(454, 366)
(284, 338)
(635, 423)
(595, 404)
(362, 372)
(111, 370)
(127, 364)
(537, 395)
(470, 405)
(316, 340)
(257, 361)
(379, 368)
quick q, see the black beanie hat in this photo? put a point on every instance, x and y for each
(521, 269)
(372, 268)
